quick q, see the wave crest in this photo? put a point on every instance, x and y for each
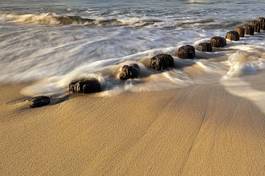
(54, 19)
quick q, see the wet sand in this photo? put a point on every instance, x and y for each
(198, 130)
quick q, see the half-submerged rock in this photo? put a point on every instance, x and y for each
(129, 72)
(218, 41)
(232, 35)
(162, 62)
(249, 29)
(262, 23)
(256, 25)
(85, 86)
(186, 52)
(240, 30)
(205, 47)
(39, 101)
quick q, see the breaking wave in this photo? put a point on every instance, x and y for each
(245, 62)
(54, 19)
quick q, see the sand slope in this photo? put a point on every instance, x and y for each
(200, 130)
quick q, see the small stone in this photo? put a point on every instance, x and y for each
(249, 29)
(162, 62)
(232, 35)
(85, 86)
(241, 31)
(129, 72)
(39, 101)
(186, 52)
(218, 42)
(205, 47)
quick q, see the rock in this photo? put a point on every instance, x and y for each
(249, 29)
(186, 52)
(241, 31)
(85, 86)
(218, 42)
(232, 35)
(205, 47)
(129, 72)
(262, 23)
(256, 25)
(161, 62)
(39, 101)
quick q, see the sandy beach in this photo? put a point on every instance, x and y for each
(132, 88)
(198, 130)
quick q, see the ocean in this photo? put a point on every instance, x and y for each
(38, 43)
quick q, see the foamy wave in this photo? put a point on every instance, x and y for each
(54, 19)
(44, 18)
(244, 63)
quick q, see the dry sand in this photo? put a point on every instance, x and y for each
(199, 130)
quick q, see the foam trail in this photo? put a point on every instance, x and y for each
(244, 63)
(240, 88)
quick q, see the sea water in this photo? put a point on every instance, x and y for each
(38, 42)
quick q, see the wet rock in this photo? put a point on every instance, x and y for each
(85, 86)
(218, 42)
(162, 62)
(205, 47)
(256, 25)
(129, 72)
(241, 31)
(232, 35)
(262, 23)
(186, 52)
(39, 101)
(249, 29)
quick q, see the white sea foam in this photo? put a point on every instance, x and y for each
(43, 18)
(244, 63)
(240, 88)
(238, 64)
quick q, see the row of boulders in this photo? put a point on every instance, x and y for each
(159, 62)
(247, 29)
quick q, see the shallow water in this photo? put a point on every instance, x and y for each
(39, 42)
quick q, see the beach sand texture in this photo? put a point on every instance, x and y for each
(198, 130)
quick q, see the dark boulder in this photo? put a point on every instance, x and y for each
(262, 23)
(241, 31)
(232, 35)
(205, 47)
(85, 86)
(161, 62)
(256, 25)
(249, 29)
(186, 52)
(129, 72)
(39, 101)
(218, 42)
